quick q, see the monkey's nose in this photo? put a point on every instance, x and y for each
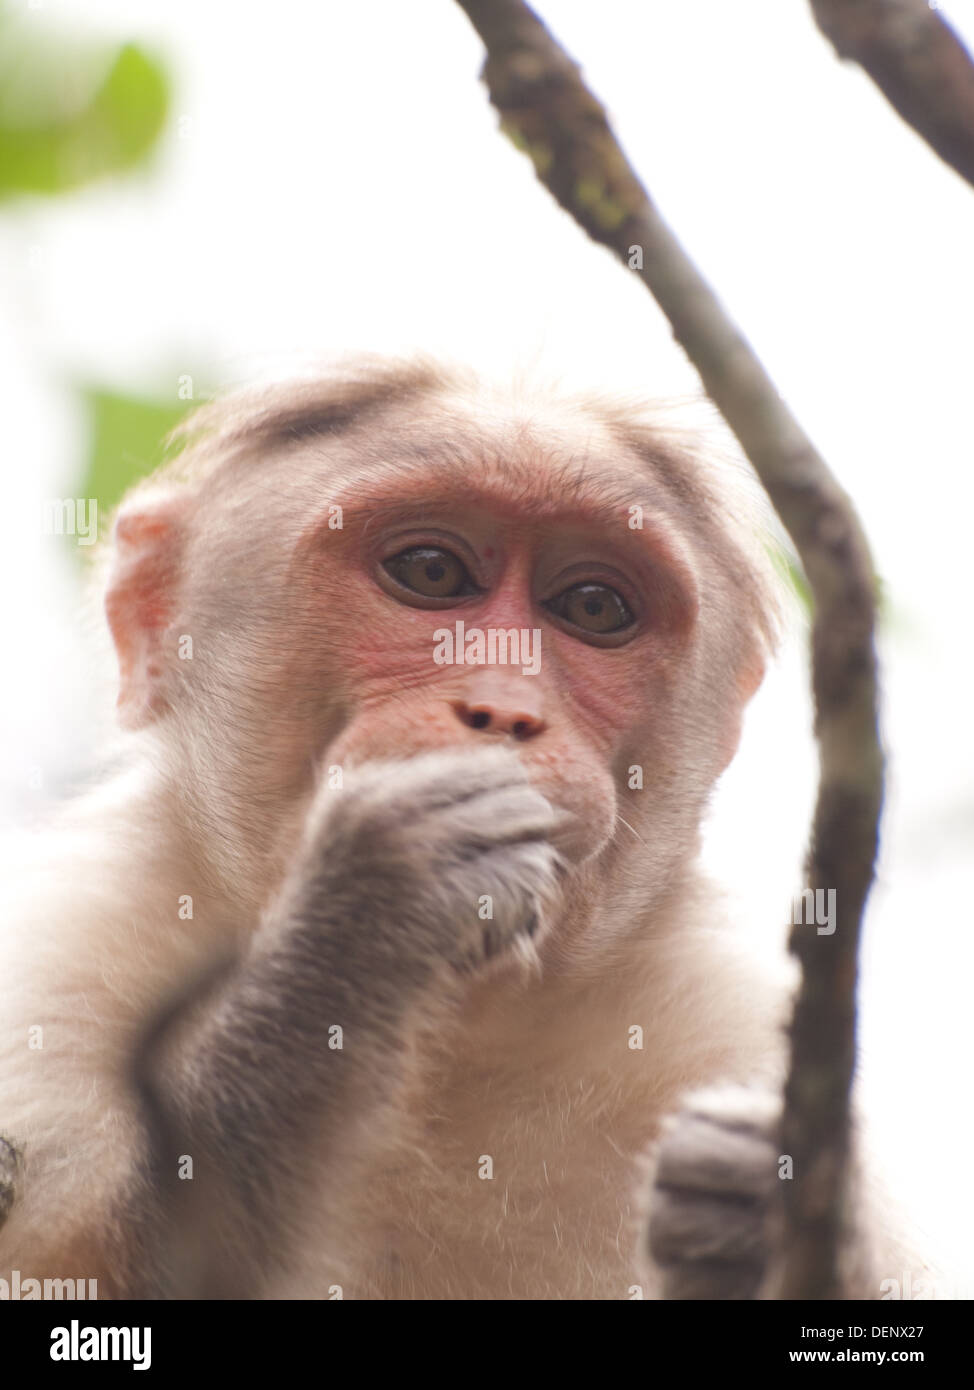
(501, 703)
(496, 719)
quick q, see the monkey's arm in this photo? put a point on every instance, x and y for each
(383, 897)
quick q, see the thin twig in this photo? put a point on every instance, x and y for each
(9, 1173)
(917, 62)
(547, 110)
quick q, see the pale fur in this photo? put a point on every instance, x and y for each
(569, 1131)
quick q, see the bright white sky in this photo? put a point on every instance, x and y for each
(334, 180)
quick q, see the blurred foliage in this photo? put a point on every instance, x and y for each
(126, 441)
(71, 112)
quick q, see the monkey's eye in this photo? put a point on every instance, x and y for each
(428, 570)
(593, 608)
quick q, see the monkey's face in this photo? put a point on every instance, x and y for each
(460, 613)
(445, 579)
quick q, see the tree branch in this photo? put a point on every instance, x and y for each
(916, 61)
(9, 1169)
(546, 110)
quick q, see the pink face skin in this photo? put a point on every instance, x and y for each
(572, 722)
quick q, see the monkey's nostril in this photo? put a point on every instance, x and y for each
(498, 720)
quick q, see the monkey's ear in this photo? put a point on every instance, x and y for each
(749, 677)
(140, 602)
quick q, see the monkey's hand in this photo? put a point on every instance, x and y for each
(415, 867)
(711, 1194)
(440, 858)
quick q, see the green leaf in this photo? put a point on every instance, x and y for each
(51, 138)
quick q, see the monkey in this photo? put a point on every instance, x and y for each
(379, 962)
